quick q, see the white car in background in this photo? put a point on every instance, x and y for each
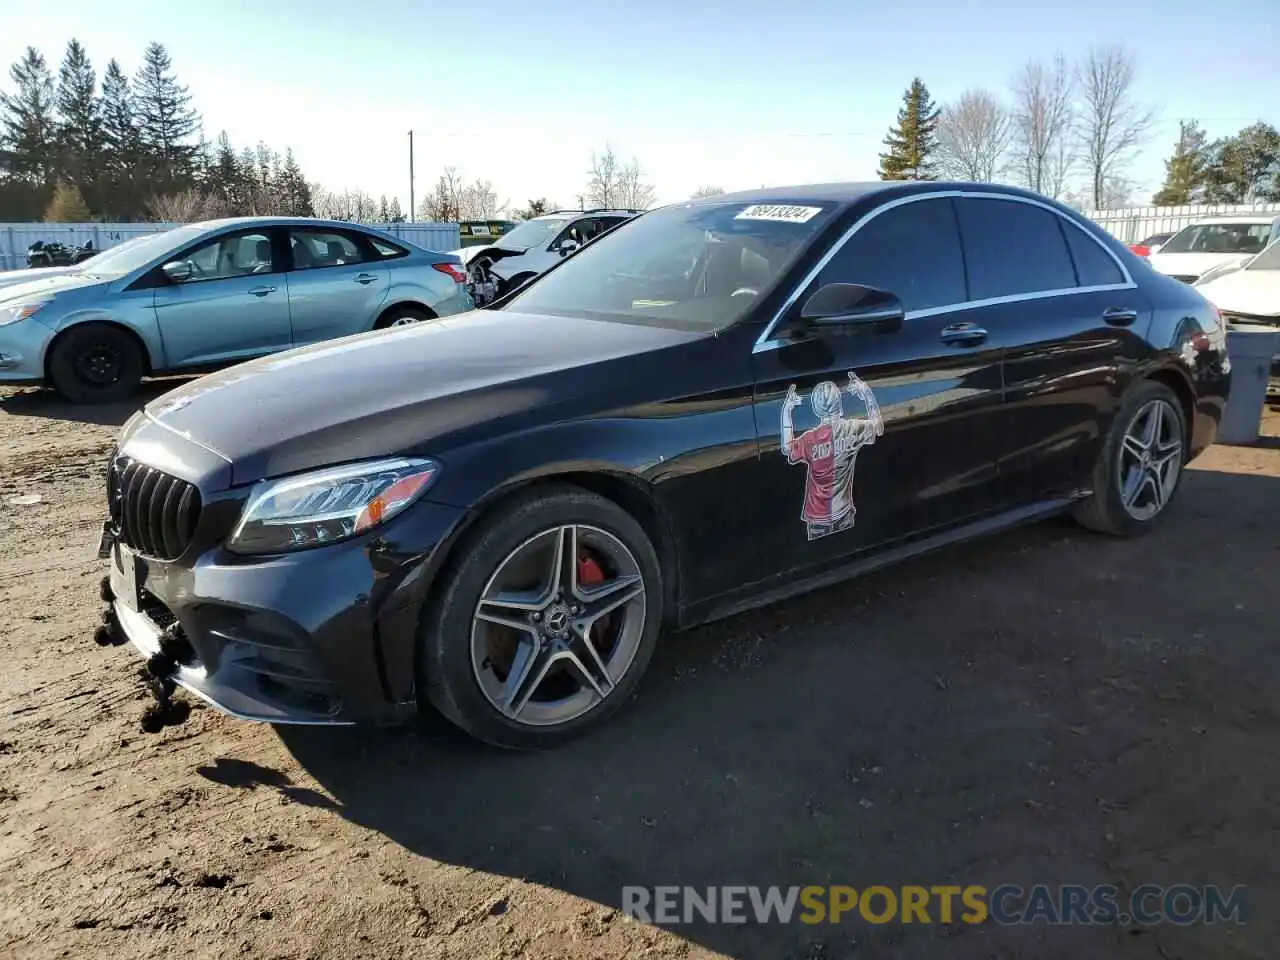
(9, 277)
(1214, 242)
(1248, 294)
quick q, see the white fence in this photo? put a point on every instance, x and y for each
(1132, 224)
(16, 237)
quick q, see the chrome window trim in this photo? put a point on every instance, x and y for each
(766, 342)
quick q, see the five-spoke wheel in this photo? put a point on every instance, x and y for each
(546, 620)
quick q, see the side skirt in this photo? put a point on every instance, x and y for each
(765, 592)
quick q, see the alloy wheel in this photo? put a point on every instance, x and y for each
(405, 320)
(1150, 460)
(558, 625)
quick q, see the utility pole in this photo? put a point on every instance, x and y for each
(412, 212)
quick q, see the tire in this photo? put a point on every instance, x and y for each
(1105, 510)
(402, 316)
(465, 663)
(96, 363)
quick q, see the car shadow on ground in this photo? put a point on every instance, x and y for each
(50, 405)
(1044, 706)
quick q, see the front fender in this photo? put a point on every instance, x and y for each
(137, 316)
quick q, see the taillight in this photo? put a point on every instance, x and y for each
(452, 270)
(1140, 250)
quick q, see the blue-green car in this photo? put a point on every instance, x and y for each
(208, 295)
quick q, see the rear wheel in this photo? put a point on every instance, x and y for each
(401, 317)
(547, 622)
(95, 363)
(1139, 468)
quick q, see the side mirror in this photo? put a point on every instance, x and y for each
(568, 246)
(853, 306)
(179, 271)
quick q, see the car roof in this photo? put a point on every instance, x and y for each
(278, 222)
(1242, 218)
(850, 192)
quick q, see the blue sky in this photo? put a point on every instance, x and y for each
(737, 94)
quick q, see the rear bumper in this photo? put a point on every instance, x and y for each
(322, 637)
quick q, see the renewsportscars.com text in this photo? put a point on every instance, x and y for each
(1066, 904)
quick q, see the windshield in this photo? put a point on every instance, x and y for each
(1268, 259)
(696, 266)
(532, 233)
(1219, 238)
(138, 252)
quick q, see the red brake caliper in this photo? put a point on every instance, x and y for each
(589, 574)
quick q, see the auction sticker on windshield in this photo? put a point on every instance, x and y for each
(782, 213)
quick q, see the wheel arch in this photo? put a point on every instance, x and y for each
(148, 364)
(407, 304)
(1180, 384)
(627, 491)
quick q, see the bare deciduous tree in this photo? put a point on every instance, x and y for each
(186, 206)
(615, 184)
(346, 204)
(1041, 122)
(1112, 123)
(706, 190)
(453, 199)
(973, 136)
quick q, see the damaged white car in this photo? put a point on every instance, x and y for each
(533, 247)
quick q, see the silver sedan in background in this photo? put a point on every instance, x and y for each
(212, 294)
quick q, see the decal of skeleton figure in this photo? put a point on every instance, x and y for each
(829, 451)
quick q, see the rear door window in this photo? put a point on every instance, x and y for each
(1013, 248)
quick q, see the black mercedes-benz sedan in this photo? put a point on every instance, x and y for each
(721, 403)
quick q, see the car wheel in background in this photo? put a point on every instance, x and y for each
(401, 317)
(95, 363)
(1139, 468)
(544, 623)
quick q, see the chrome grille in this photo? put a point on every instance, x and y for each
(155, 513)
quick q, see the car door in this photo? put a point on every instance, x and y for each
(869, 437)
(232, 307)
(1069, 315)
(337, 283)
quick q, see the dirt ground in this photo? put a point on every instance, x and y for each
(1043, 706)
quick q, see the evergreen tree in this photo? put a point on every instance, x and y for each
(166, 121)
(384, 211)
(28, 130)
(224, 174)
(79, 117)
(292, 188)
(1245, 167)
(1184, 172)
(119, 145)
(395, 214)
(913, 141)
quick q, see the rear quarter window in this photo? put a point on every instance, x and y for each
(1094, 266)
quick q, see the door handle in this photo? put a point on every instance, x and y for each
(365, 278)
(261, 291)
(964, 335)
(1119, 316)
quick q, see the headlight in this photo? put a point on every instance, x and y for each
(12, 313)
(313, 509)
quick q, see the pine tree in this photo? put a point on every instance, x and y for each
(166, 121)
(79, 117)
(384, 211)
(1184, 172)
(293, 189)
(395, 214)
(119, 145)
(1245, 167)
(28, 130)
(913, 141)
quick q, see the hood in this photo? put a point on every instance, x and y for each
(413, 389)
(1192, 264)
(495, 251)
(47, 286)
(11, 277)
(1255, 292)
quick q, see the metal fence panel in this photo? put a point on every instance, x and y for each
(16, 237)
(1132, 224)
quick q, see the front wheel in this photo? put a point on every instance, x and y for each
(95, 363)
(1139, 468)
(545, 624)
